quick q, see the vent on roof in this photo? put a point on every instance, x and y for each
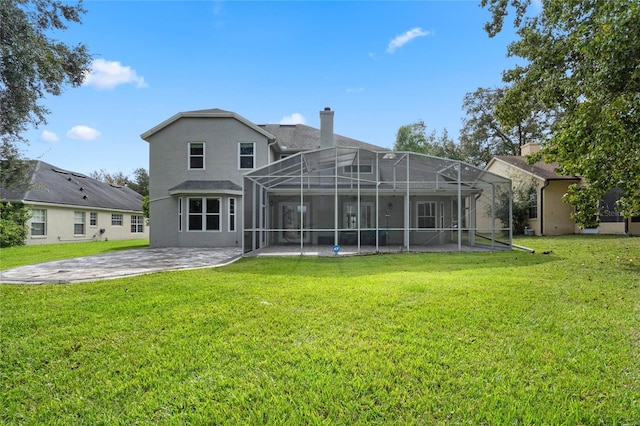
(60, 171)
(69, 179)
(77, 175)
(84, 197)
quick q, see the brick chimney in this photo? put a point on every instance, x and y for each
(529, 148)
(326, 128)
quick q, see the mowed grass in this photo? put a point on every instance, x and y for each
(12, 257)
(478, 338)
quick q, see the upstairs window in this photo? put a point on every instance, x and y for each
(196, 155)
(247, 155)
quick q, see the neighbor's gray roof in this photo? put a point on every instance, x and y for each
(299, 137)
(546, 171)
(206, 185)
(52, 185)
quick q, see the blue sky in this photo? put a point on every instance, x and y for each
(377, 64)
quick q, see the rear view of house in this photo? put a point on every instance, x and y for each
(219, 180)
(67, 206)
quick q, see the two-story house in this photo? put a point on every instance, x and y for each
(219, 180)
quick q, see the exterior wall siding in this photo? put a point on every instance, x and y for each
(168, 166)
(60, 226)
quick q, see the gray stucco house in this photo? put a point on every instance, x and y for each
(220, 180)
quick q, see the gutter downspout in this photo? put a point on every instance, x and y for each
(547, 182)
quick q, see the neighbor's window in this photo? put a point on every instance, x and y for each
(137, 224)
(179, 214)
(533, 203)
(204, 214)
(232, 214)
(93, 219)
(38, 222)
(196, 155)
(78, 223)
(116, 219)
(427, 215)
(247, 154)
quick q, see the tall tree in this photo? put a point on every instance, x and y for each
(583, 59)
(117, 178)
(483, 136)
(139, 183)
(414, 138)
(32, 65)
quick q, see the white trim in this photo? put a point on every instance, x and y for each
(434, 215)
(234, 215)
(180, 214)
(204, 155)
(202, 192)
(83, 223)
(253, 155)
(206, 114)
(203, 214)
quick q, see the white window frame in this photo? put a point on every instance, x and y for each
(430, 213)
(79, 218)
(204, 214)
(252, 156)
(137, 224)
(39, 219)
(117, 219)
(232, 209)
(189, 156)
(93, 219)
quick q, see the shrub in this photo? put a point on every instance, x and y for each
(13, 224)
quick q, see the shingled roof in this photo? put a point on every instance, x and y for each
(300, 137)
(546, 171)
(52, 185)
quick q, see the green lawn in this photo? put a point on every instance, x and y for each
(26, 255)
(478, 338)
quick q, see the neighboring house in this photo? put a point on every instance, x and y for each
(70, 207)
(549, 214)
(217, 179)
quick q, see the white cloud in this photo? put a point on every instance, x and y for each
(405, 38)
(109, 74)
(295, 118)
(84, 133)
(48, 136)
(355, 89)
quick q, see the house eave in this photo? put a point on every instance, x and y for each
(175, 192)
(200, 114)
(76, 206)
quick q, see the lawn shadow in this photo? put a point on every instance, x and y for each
(363, 265)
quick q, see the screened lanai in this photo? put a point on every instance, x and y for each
(352, 200)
